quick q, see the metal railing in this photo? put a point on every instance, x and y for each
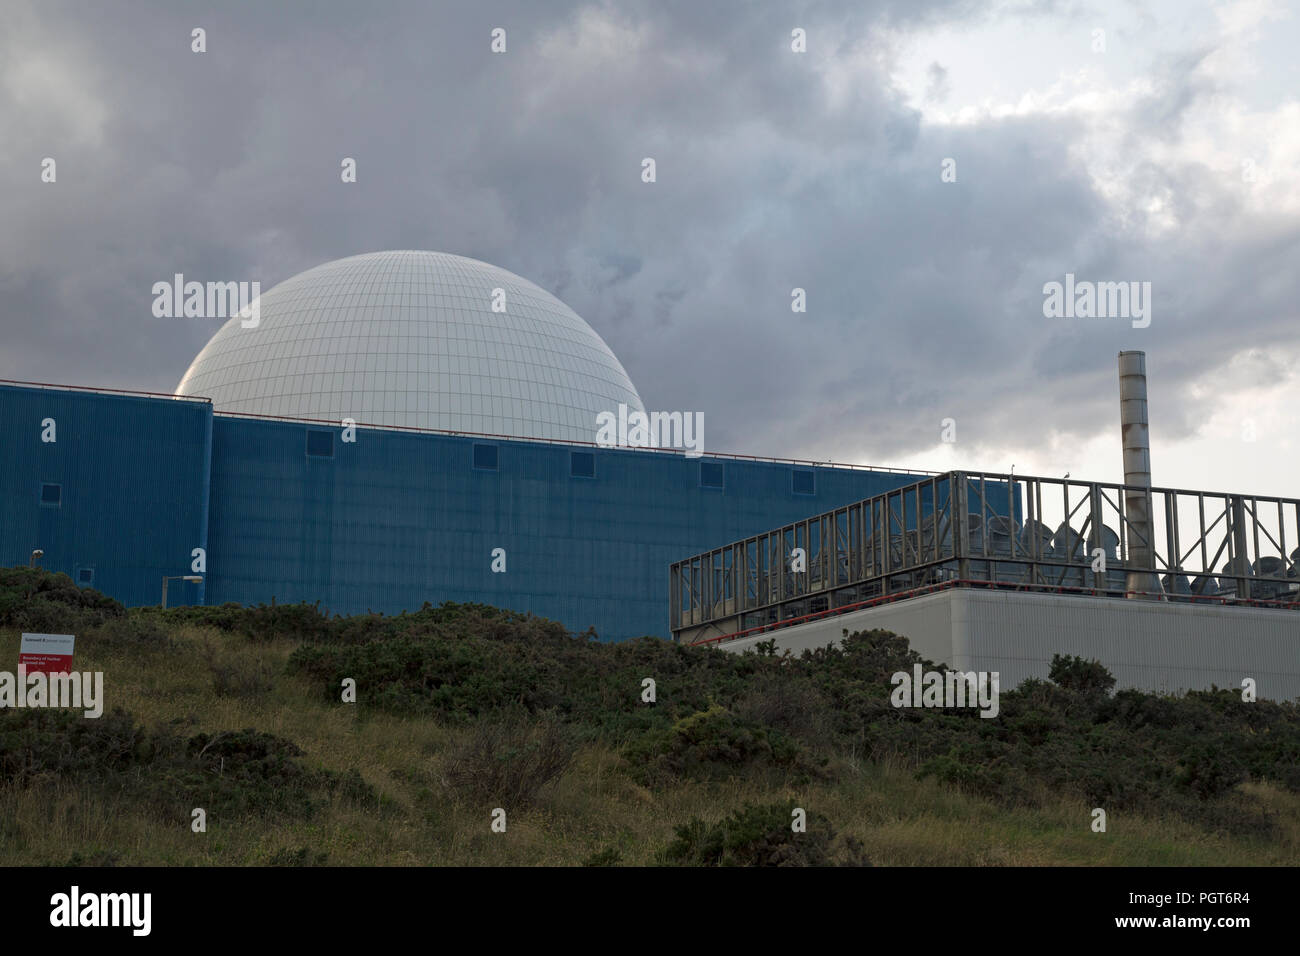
(415, 429)
(1008, 531)
(653, 449)
(96, 389)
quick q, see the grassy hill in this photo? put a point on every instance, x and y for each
(464, 709)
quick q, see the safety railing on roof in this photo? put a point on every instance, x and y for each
(730, 456)
(1006, 531)
(105, 391)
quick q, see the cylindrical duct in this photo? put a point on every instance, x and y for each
(1141, 579)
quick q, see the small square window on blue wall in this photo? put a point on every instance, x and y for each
(711, 474)
(320, 444)
(51, 495)
(805, 482)
(582, 464)
(485, 457)
(85, 575)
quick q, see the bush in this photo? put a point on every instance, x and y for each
(303, 856)
(296, 622)
(1208, 772)
(133, 630)
(261, 622)
(761, 836)
(352, 788)
(713, 745)
(793, 707)
(1077, 674)
(33, 599)
(227, 774)
(507, 763)
(47, 743)
(234, 675)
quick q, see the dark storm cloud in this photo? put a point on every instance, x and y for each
(775, 171)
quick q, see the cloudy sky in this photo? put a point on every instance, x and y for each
(1116, 141)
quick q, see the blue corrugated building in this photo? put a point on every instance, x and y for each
(130, 485)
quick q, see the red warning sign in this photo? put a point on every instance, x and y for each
(48, 653)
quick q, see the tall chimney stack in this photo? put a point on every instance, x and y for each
(1141, 580)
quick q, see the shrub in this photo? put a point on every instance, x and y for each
(296, 622)
(303, 856)
(1075, 673)
(234, 675)
(1208, 772)
(761, 836)
(133, 630)
(243, 772)
(33, 599)
(713, 745)
(260, 622)
(791, 706)
(227, 774)
(38, 743)
(509, 762)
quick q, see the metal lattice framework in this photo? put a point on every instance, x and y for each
(1012, 531)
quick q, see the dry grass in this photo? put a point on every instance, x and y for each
(212, 682)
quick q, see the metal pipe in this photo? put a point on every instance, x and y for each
(1141, 579)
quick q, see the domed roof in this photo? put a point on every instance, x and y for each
(410, 338)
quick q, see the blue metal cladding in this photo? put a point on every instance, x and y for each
(383, 523)
(132, 475)
(395, 519)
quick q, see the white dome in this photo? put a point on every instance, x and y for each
(410, 338)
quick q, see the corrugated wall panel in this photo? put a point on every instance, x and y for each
(387, 523)
(397, 519)
(133, 476)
